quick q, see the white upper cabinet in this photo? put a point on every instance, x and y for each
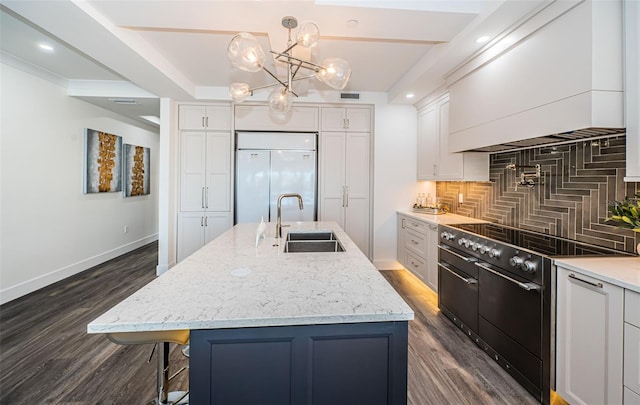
(435, 162)
(560, 75)
(204, 117)
(632, 88)
(349, 119)
(259, 118)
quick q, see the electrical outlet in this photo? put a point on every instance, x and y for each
(126, 229)
(460, 198)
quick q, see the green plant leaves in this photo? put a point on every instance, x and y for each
(625, 213)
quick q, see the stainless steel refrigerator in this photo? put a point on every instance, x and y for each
(269, 164)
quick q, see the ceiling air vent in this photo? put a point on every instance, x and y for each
(350, 96)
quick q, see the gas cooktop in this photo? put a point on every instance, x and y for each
(548, 245)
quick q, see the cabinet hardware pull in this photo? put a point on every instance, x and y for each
(343, 195)
(597, 285)
(201, 221)
(403, 224)
(466, 280)
(433, 226)
(414, 242)
(202, 199)
(525, 286)
(348, 123)
(347, 199)
(207, 121)
(414, 264)
(203, 122)
(206, 199)
(466, 259)
(435, 170)
(206, 221)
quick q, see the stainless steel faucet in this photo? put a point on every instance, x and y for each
(279, 220)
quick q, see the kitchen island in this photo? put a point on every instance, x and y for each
(274, 327)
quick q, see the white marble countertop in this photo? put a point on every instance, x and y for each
(442, 219)
(620, 271)
(231, 283)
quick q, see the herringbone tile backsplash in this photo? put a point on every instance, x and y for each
(569, 199)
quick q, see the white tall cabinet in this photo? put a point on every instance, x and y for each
(205, 175)
(345, 171)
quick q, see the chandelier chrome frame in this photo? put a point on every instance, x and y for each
(245, 53)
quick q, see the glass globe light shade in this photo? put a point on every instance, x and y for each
(280, 100)
(308, 34)
(239, 91)
(245, 53)
(335, 73)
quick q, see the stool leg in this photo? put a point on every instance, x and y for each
(163, 373)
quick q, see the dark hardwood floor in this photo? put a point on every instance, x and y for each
(46, 356)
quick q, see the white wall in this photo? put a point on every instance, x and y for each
(395, 185)
(49, 228)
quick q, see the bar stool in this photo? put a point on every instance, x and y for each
(163, 338)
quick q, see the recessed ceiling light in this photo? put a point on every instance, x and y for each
(409, 95)
(45, 47)
(482, 39)
(123, 100)
(352, 23)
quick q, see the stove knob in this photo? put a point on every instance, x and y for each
(467, 243)
(447, 235)
(529, 266)
(475, 246)
(494, 253)
(461, 241)
(484, 249)
(515, 261)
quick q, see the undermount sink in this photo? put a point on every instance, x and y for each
(309, 242)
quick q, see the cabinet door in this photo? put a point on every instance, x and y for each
(218, 177)
(357, 178)
(415, 264)
(450, 165)
(218, 117)
(431, 259)
(333, 119)
(630, 397)
(261, 118)
(191, 117)
(215, 224)
(358, 119)
(401, 251)
(632, 357)
(331, 177)
(589, 339)
(428, 143)
(190, 233)
(192, 171)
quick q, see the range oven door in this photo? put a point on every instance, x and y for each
(457, 288)
(510, 321)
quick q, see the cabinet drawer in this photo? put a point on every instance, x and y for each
(416, 242)
(416, 265)
(416, 226)
(632, 357)
(630, 397)
(632, 307)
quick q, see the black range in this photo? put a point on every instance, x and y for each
(496, 283)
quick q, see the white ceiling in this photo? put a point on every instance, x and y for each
(145, 49)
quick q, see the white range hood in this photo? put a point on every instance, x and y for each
(555, 76)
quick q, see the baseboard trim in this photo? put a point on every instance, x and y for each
(29, 286)
(387, 265)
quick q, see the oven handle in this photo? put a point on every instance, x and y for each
(525, 286)
(466, 280)
(466, 259)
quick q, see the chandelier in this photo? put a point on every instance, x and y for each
(245, 53)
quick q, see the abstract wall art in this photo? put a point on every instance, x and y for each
(136, 170)
(103, 162)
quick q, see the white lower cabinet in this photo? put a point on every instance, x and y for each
(631, 347)
(418, 249)
(589, 339)
(196, 229)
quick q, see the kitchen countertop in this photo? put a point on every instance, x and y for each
(620, 271)
(442, 219)
(231, 283)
